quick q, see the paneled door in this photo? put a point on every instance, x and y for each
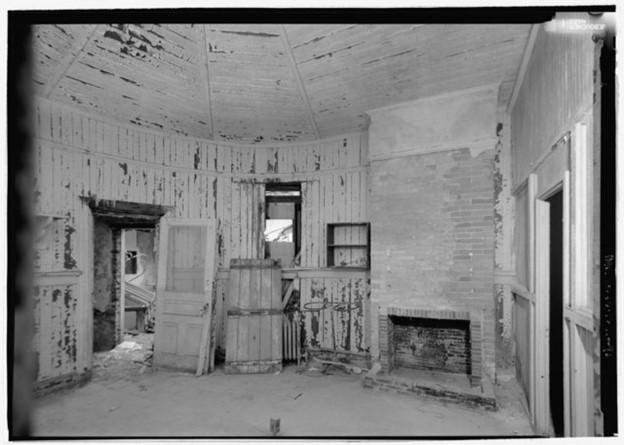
(542, 328)
(186, 270)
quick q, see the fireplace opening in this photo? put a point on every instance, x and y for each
(440, 345)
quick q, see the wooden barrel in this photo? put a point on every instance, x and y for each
(254, 317)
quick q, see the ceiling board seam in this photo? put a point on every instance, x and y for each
(302, 90)
(206, 81)
(67, 63)
(528, 50)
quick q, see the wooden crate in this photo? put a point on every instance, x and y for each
(254, 322)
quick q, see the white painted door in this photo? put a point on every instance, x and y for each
(542, 316)
(184, 292)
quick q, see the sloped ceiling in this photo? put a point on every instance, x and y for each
(264, 83)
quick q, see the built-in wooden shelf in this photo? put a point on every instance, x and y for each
(348, 245)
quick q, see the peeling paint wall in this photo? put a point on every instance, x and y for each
(503, 247)
(55, 330)
(103, 266)
(335, 313)
(103, 288)
(81, 156)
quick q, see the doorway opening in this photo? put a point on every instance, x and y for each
(282, 233)
(556, 359)
(124, 282)
(282, 241)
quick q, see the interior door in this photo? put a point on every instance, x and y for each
(184, 291)
(542, 315)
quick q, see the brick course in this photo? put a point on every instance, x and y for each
(432, 230)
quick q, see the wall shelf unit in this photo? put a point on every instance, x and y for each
(348, 245)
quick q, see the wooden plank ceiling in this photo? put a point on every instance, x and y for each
(266, 83)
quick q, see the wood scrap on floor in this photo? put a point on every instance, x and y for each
(346, 367)
(205, 362)
(323, 366)
(275, 426)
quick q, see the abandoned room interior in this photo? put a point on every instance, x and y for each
(412, 211)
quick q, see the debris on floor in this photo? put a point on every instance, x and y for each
(130, 358)
(325, 365)
(375, 369)
(275, 427)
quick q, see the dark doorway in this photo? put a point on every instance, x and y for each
(556, 312)
(606, 115)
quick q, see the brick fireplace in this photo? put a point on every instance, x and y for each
(433, 340)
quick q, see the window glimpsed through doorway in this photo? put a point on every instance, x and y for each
(131, 262)
(282, 233)
(139, 280)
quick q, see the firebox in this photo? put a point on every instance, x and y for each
(431, 344)
(423, 339)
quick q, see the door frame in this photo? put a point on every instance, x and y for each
(541, 348)
(575, 181)
(117, 215)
